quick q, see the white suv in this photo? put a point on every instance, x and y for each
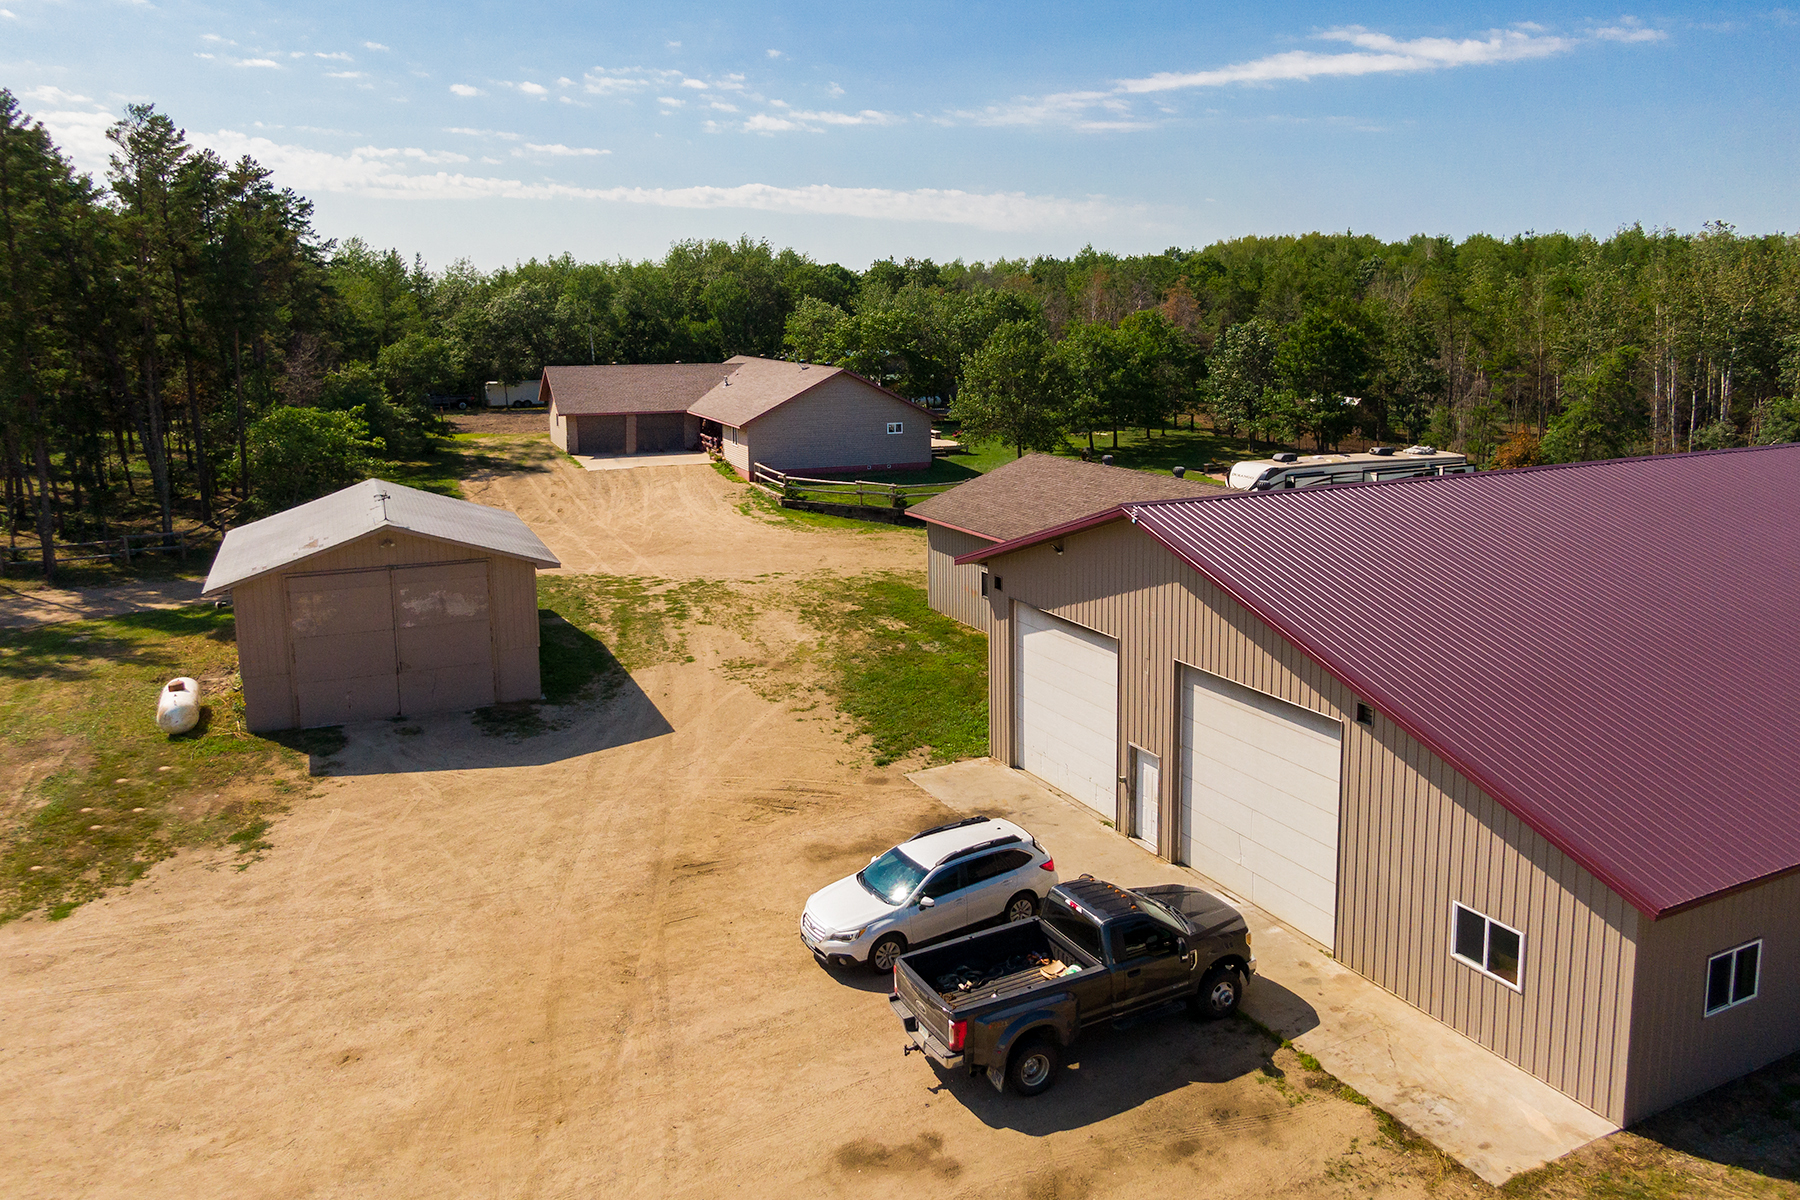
(939, 883)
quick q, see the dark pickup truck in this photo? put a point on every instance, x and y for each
(1008, 1001)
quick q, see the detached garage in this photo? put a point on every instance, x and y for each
(1479, 760)
(381, 601)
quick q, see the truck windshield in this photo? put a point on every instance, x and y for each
(1163, 913)
(892, 877)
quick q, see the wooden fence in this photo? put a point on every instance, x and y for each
(861, 493)
(111, 548)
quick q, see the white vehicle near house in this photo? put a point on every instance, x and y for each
(1314, 470)
(935, 885)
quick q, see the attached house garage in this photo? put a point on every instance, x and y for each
(633, 409)
(1030, 493)
(1495, 769)
(381, 601)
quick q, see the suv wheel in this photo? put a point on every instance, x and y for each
(886, 952)
(1022, 907)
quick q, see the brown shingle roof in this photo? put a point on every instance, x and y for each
(1040, 491)
(644, 388)
(757, 385)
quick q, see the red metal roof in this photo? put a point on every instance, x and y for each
(1611, 650)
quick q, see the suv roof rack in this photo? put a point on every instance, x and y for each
(952, 825)
(1009, 840)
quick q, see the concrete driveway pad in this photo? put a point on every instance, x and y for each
(1488, 1114)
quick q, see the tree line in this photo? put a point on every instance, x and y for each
(177, 342)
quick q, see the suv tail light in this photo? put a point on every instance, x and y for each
(958, 1031)
(1049, 864)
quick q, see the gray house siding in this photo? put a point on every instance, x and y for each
(841, 425)
(1415, 836)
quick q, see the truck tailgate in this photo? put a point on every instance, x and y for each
(924, 1002)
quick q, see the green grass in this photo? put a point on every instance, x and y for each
(760, 506)
(459, 456)
(117, 795)
(910, 678)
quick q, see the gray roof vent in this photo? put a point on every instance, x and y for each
(1285, 456)
(1384, 451)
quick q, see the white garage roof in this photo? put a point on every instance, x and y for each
(362, 508)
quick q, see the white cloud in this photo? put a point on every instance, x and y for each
(558, 150)
(773, 53)
(213, 37)
(258, 62)
(533, 89)
(729, 83)
(834, 91)
(1629, 29)
(202, 54)
(565, 81)
(721, 106)
(1077, 110)
(671, 101)
(296, 54)
(343, 74)
(699, 84)
(413, 152)
(337, 54)
(374, 46)
(1375, 54)
(8, 14)
(764, 123)
(80, 135)
(673, 45)
(463, 89)
(51, 94)
(486, 133)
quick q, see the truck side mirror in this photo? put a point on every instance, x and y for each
(927, 902)
(1181, 947)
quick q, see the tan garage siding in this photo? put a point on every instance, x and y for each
(841, 425)
(1414, 835)
(264, 649)
(1678, 1051)
(734, 444)
(559, 429)
(952, 590)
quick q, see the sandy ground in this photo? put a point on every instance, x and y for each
(570, 966)
(20, 607)
(679, 523)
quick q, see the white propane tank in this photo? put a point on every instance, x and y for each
(178, 707)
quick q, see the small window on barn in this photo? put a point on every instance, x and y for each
(1495, 950)
(1365, 715)
(896, 426)
(1731, 977)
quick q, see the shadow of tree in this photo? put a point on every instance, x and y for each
(1751, 1123)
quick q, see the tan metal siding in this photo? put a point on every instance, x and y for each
(841, 425)
(1414, 837)
(559, 430)
(514, 602)
(259, 612)
(734, 443)
(1678, 1051)
(952, 590)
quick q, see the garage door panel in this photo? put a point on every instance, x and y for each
(1271, 785)
(439, 594)
(441, 689)
(1067, 694)
(1260, 788)
(463, 644)
(345, 656)
(355, 602)
(335, 701)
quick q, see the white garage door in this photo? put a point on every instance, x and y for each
(1067, 701)
(1259, 799)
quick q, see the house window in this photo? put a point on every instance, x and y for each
(1488, 946)
(896, 426)
(1731, 977)
(984, 582)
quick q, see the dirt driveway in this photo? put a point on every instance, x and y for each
(569, 966)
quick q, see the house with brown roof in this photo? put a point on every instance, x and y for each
(1034, 492)
(1522, 747)
(793, 417)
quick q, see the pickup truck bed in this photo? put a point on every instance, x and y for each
(985, 959)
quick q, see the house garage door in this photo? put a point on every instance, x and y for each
(1259, 799)
(390, 642)
(1067, 700)
(657, 432)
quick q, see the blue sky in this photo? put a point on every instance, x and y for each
(495, 132)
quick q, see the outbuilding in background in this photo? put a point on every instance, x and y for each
(381, 601)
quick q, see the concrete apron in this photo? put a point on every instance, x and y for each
(625, 462)
(1483, 1111)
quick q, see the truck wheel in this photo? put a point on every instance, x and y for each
(1032, 1068)
(1221, 991)
(885, 953)
(1022, 907)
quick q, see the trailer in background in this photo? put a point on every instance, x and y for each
(513, 395)
(1315, 470)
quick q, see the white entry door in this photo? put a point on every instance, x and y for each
(1146, 792)
(1259, 799)
(1066, 697)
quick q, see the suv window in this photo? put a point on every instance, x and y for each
(1140, 937)
(1081, 932)
(991, 866)
(944, 882)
